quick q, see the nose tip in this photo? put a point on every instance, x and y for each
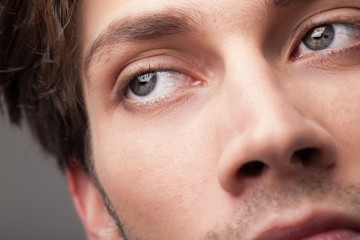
(285, 150)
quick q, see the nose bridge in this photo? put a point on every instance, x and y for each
(275, 117)
(256, 94)
(272, 118)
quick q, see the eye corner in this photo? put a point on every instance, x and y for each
(294, 55)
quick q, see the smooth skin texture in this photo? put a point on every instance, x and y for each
(179, 164)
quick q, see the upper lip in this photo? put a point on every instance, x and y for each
(310, 226)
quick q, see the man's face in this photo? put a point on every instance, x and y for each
(236, 119)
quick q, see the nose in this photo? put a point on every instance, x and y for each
(277, 142)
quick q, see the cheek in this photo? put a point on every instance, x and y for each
(346, 116)
(157, 172)
(334, 102)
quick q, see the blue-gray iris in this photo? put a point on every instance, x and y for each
(320, 38)
(144, 84)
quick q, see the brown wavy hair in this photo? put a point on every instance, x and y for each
(40, 77)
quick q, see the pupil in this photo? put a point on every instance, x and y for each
(144, 84)
(320, 38)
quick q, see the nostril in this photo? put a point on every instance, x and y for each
(251, 169)
(307, 155)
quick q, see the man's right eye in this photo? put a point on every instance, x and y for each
(156, 84)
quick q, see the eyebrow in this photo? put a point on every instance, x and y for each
(287, 3)
(148, 26)
(153, 25)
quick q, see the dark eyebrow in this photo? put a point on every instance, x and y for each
(150, 25)
(153, 25)
(287, 3)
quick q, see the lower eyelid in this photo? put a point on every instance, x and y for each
(329, 59)
(163, 103)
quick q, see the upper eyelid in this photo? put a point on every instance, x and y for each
(163, 62)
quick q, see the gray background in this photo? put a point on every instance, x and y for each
(34, 199)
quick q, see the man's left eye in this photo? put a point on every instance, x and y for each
(152, 85)
(329, 37)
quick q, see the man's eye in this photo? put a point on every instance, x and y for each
(329, 37)
(156, 84)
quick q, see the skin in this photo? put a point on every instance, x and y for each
(172, 168)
